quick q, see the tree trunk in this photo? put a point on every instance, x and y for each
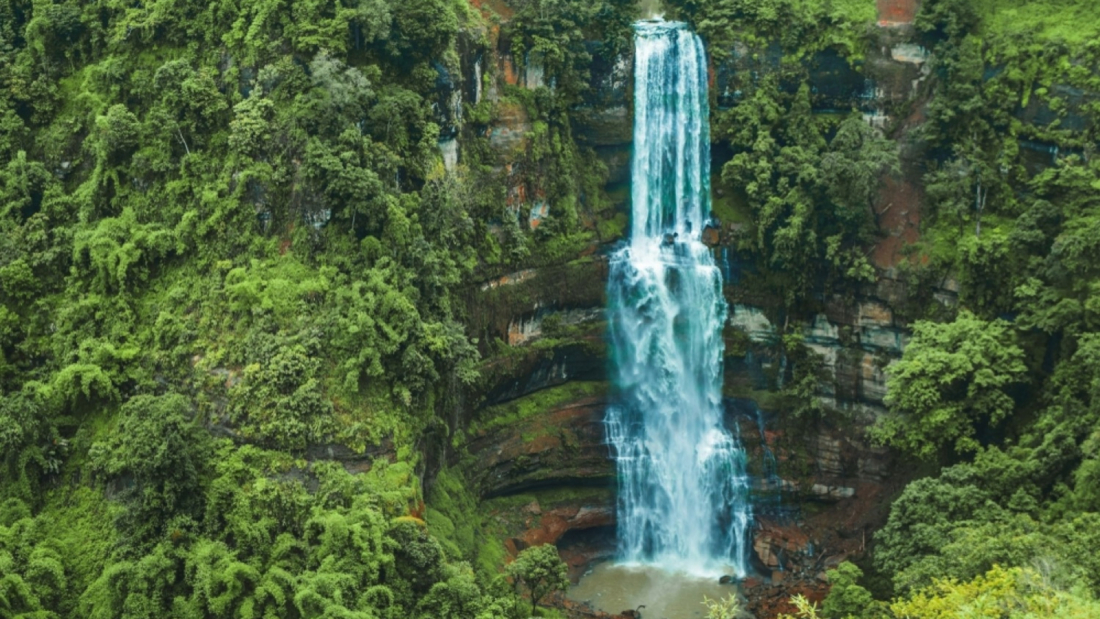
(979, 206)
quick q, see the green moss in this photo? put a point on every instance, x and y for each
(531, 405)
(451, 506)
(547, 497)
(444, 530)
(462, 525)
(731, 207)
(491, 556)
(612, 229)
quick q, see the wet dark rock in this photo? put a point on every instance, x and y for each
(564, 446)
(712, 235)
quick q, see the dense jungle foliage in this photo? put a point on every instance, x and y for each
(229, 245)
(228, 242)
(996, 393)
(1003, 391)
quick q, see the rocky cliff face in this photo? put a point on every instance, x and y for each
(530, 441)
(536, 432)
(533, 432)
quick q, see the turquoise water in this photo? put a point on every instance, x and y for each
(682, 503)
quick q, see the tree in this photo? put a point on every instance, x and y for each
(992, 511)
(810, 184)
(944, 19)
(951, 376)
(120, 131)
(1012, 593)
(28, 442)
(538, 570)
(846, 598)
(852, 167)
(457, 597)
(218, 219)
(158, 455)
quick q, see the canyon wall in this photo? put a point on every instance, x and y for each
(531, 440)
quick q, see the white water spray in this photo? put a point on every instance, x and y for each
(683, 501)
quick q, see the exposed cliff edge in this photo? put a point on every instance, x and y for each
(537, 434)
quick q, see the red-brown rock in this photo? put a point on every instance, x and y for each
(712, 236)
(897, 12)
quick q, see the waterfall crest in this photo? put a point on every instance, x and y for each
(683, 501)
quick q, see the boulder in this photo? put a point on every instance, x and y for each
(712, 236)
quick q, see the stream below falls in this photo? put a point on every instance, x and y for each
(666, 595)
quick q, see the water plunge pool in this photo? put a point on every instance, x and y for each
(614, 588)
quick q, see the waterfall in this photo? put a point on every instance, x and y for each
(683, 489)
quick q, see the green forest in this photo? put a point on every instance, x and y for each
(229, 242)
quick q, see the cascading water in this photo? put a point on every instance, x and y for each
(682, 485)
